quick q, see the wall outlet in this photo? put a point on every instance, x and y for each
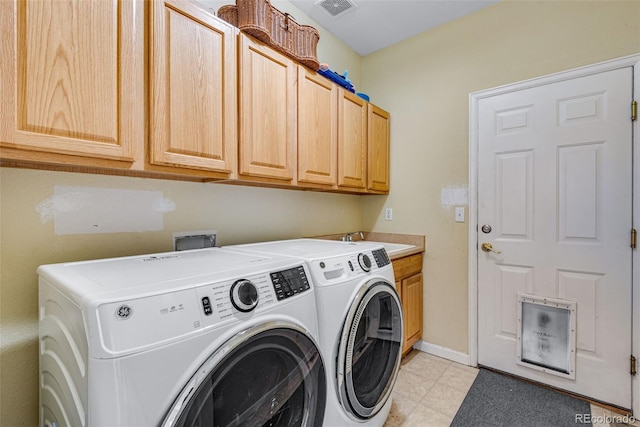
(186, 240)
(460, 214)
(388, 214)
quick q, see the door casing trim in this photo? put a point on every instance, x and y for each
(474, 100)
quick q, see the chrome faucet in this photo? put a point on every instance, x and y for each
(349, 236)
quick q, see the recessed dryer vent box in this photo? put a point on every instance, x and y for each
(186, 240)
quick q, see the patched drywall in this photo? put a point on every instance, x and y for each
(454, 196)
(90, 210)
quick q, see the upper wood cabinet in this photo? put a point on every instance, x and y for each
(268, 116)
(352, 141)
(343, 141)
(165, 89)
(193, 109)
(72, 79)
(317, 129)
(378, 149)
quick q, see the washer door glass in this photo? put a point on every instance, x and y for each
(370, 349)
(272, 378)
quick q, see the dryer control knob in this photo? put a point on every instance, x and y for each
(365, 262)
(244, 295)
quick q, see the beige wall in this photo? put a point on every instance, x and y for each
(425, 83)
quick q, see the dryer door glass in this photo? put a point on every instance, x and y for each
(370, 354)
(273, 378)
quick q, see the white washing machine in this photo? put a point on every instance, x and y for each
(360, 323)
(199, 338)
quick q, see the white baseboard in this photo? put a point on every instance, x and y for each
(445, 353)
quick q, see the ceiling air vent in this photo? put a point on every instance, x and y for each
(336, 7)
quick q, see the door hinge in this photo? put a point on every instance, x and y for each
(632, 369)
(634, 111)
(633, 238)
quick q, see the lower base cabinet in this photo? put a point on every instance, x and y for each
(408, 272)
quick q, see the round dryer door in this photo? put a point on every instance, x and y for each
(270, 375)
(370, 349)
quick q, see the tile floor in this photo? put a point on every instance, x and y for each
(429, 390)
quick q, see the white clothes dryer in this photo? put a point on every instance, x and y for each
(360, 323)
(206, 337)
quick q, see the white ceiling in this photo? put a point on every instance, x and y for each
(375, 24)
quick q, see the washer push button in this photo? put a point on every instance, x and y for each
(206, 306)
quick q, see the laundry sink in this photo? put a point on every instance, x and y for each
(393, 248)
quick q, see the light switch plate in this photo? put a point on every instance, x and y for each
(460, 214)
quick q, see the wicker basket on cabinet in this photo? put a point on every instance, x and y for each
(229, 13)
(261, 20)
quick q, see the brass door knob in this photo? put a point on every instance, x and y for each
(487, 247)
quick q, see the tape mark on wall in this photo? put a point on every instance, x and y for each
(90, 210)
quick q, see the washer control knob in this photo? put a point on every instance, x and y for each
(244, 295)
(365, 262)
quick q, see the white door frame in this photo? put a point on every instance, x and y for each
(474, 99)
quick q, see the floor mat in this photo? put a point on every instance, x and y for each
(499, 400)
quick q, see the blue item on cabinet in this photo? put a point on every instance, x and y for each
(336, 78)
(345, 76)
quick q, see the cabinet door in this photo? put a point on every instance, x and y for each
(317, 129)
(268, 109)
(352, 140)
(412, 310)
(72, 77)
(378, 149)
(193, 85)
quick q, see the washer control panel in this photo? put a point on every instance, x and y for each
(288, 283)
(225, 300)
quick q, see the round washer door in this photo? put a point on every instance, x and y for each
(370, 349)
(269, 375)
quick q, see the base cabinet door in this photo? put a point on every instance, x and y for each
(412, 310)
(268, 104)
(409, 283)
(72, 78)
(193, 84)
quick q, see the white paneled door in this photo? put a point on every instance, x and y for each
(555, 204)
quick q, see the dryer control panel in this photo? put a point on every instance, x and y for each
(343, 267)
(381, 257)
